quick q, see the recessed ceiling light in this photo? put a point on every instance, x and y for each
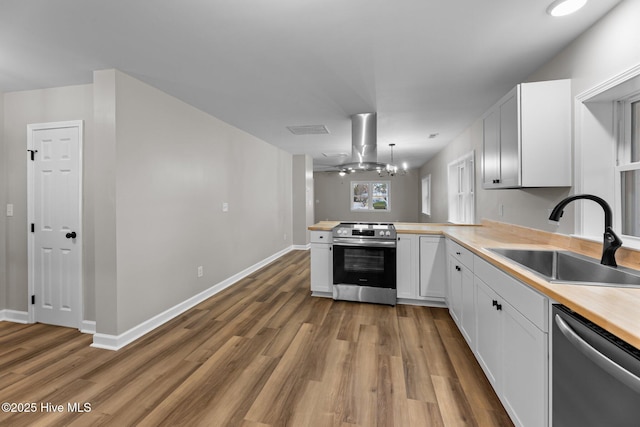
(565, 7)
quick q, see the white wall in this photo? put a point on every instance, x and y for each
(332, 193)
(303, 213)
(606, 49)
(21, 109)
(167, 168)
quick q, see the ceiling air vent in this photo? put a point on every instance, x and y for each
(308, 130)
(335, 155)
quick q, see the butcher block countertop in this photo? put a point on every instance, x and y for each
(615, 309)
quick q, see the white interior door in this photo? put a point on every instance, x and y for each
(55, 235)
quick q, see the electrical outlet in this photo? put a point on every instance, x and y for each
(9, 209)
(225, 207)
(200, 271)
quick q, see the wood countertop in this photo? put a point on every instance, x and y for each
(615, 309)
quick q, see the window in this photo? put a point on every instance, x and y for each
(629, 165)
(426, 195)
(370, 196)
(461, 190)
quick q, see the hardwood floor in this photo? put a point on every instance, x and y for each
(261, 353)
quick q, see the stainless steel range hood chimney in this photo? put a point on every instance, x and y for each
(364, 149)
(364, 136)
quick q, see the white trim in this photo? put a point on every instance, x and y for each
(589, 94)
(438, 303)
(426, 198)
(301, 247)
(116, 342)
(622, 86)
(30, 213)
(464, 184)
(370, 208)
(14, 316)
(88, 327)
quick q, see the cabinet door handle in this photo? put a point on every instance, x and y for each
(498, 307)
(494, 303)
(458, 253)
(496, 181)
(458, 268)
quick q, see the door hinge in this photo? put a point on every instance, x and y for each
(33, 227)
(33, 299)
(33, 153)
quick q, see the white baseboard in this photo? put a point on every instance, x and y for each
(436, 302)
(116, 342)
(88, 327)
(302, 247)
(14, 316)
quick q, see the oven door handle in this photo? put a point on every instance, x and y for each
(365, 243)
(606, 364)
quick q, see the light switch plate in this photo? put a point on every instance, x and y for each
(225, 207)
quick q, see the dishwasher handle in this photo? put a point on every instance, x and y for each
(612, 368)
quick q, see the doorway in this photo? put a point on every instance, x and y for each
(54, 199)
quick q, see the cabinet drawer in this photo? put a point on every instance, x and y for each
(321, 237)
(460, 253)
(526, 300)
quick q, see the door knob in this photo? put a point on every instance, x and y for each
(71, 235)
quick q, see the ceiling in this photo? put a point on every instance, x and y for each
(426, 67)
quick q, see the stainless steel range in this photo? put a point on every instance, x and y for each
(364, 262)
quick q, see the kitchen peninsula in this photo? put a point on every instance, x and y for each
(615, 309)
(503, 310)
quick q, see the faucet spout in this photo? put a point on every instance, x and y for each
(611, 241)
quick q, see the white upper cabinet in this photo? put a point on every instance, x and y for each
(527, 137)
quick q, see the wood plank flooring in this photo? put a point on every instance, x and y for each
(261, 353)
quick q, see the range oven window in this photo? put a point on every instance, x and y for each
(364, 266)
(363, 260)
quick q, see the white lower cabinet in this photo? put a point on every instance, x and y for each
(524, 379)
(512, 350)
(432, 272)
(468, 306)
(321, 264)
(421, 269)
(461, 290)
(407, 248)
(454, 291)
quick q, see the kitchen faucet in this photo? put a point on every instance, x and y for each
(611, 241)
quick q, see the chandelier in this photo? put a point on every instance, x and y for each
(392, 169)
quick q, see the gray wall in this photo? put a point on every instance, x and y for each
(332, 193)
(3, 222)
(156, 172)
(302, 187)
(608, 48)
(21, 109)
(166, 170)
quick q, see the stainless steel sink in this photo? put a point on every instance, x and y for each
(571, 268)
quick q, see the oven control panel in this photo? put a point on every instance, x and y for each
(365, 231)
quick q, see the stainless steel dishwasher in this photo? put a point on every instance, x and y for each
(596, 376)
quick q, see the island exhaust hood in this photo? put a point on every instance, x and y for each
(364, 150)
